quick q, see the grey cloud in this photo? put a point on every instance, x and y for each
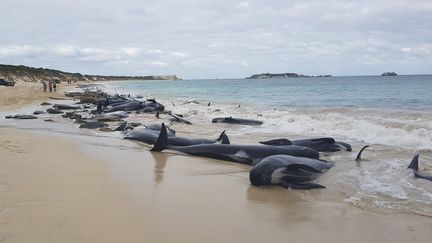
(203, 38)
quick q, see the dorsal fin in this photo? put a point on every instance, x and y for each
(414, 163)
(223, 138)
(162, 141)
(358, 158)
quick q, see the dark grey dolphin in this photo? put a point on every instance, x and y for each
(319, 144)
(288, 171)
(245, 154)
(158, 127)
(414, 166)
(129, 106)
(66, 107)
(240, 121)
(150, 136)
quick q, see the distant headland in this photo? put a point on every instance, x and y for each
(282, 75)
(389, 74)
(30, 74)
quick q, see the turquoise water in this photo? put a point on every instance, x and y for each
(399, 92)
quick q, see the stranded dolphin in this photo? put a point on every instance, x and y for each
(414, 166)
(288, 171)
(319, 144)
(150, 136)
(240, 121)
(245, 154)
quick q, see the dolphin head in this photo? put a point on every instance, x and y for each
(262, 173)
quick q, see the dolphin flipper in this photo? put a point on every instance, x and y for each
(300, 186)
(277, 142)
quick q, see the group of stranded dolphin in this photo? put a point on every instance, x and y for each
(288, 163)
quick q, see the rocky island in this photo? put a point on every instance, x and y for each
(282, 75)
(389, 74)
(22, 73)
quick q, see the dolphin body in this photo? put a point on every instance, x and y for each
(319, 144)
(414, 166)
(288, 171)
(244, 154)
(150, 137)
(240, 121)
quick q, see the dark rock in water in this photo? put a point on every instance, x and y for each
(66, 107)
(45, 103)
(54, 111)
(38, 112)
(25, 117)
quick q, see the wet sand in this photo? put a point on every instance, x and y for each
(75, 187)
(86, 189)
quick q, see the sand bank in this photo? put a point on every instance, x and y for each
(86, 189)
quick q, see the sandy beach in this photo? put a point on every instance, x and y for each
(27, 93)
(81, 188)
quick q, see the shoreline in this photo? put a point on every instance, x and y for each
(83, 188)
(136, 196)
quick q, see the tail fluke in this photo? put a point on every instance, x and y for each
(277, 142)
(358, 158)
(223, 138)
(414, 163)
(162, 141)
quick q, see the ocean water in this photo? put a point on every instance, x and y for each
(392, 114)
(400, 92)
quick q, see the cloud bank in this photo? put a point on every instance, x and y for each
(219, 39)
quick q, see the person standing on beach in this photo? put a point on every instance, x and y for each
(50, 86)
(55, 87)
(44, 86)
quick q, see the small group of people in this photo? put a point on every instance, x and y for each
(51, 86)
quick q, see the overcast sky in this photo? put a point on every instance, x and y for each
(219, 38)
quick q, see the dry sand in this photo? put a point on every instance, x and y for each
(76, 188)
(24, 93)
